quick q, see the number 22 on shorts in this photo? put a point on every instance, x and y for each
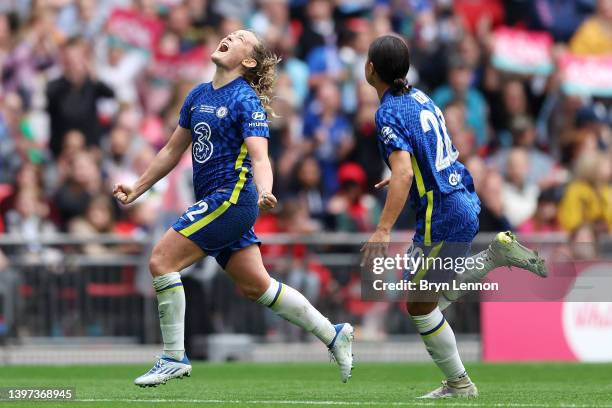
(203, 207)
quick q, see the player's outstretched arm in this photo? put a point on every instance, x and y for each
(262, 170)
(399, 186)
(166, 159)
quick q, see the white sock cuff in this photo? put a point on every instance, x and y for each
(272, 294)
(429, 322)
(167, 281)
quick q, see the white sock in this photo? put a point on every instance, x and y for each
(171, 306)
(291, 305)
(440, 342)
(482, 264)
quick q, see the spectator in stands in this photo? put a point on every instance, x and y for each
(541, 166)
(285, 131)
(478, 169)
(518, 194)
(306, 187)
(594, 36)
(353, 55)
(33, 52)
(327, 133)
(460, 77)
(560, 18)
(98, 219)
(73, 144)
(17, 128)
(272, 20)
(492, 218)
(83, 182)
(545, 218)
(353, 209)
(366, 140)
(28, 177)
(6, 33)
(479, 16)
(30, 216)
(577, 142)
(119, 69)
(122, 148)
(462, 136)
(10, 137)
(594, 118)
(588, 198)
(319, 28)
(509, 103)
(72, 98)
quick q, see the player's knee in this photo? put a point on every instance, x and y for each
(158, 265)
(419, 308)
(253, 291)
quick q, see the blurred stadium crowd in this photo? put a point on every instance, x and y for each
(90, 90)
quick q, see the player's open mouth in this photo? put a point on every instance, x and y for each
(223, 47)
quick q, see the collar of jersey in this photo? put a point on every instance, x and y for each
(232, 82)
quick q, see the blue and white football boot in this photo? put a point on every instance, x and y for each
(341, 349)
(165, 369)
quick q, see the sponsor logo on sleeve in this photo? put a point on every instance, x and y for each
(258, 115)
(387, 134)
(259, 118)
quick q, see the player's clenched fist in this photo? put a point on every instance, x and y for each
(124, 194)
(267, 201)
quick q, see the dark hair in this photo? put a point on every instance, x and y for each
(391, 60)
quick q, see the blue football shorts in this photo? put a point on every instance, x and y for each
(219, 227)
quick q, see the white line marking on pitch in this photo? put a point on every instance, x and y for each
(350, 403)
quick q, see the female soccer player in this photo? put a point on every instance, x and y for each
(226, 123)
(414, 142)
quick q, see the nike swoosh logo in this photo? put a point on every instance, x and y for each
(193, 108)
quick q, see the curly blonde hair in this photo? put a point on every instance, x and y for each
(262, 76)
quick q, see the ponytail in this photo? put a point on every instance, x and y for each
(399, 86)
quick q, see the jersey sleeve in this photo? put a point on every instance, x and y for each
(185, 112)
(252, 118)
(391, 134)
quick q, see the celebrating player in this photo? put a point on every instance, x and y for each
(226, 123)
(414, 143)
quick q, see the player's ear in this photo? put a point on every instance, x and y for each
(369, 71)
(249, 62)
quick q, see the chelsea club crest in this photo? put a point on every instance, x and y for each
(221, 112)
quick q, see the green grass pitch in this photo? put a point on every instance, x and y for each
(318, 385)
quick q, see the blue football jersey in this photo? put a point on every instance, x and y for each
(442, 192)
(220, 120)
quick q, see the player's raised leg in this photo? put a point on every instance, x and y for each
(172, 254)
(504, 250)
(440, 342)
(248, 271)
